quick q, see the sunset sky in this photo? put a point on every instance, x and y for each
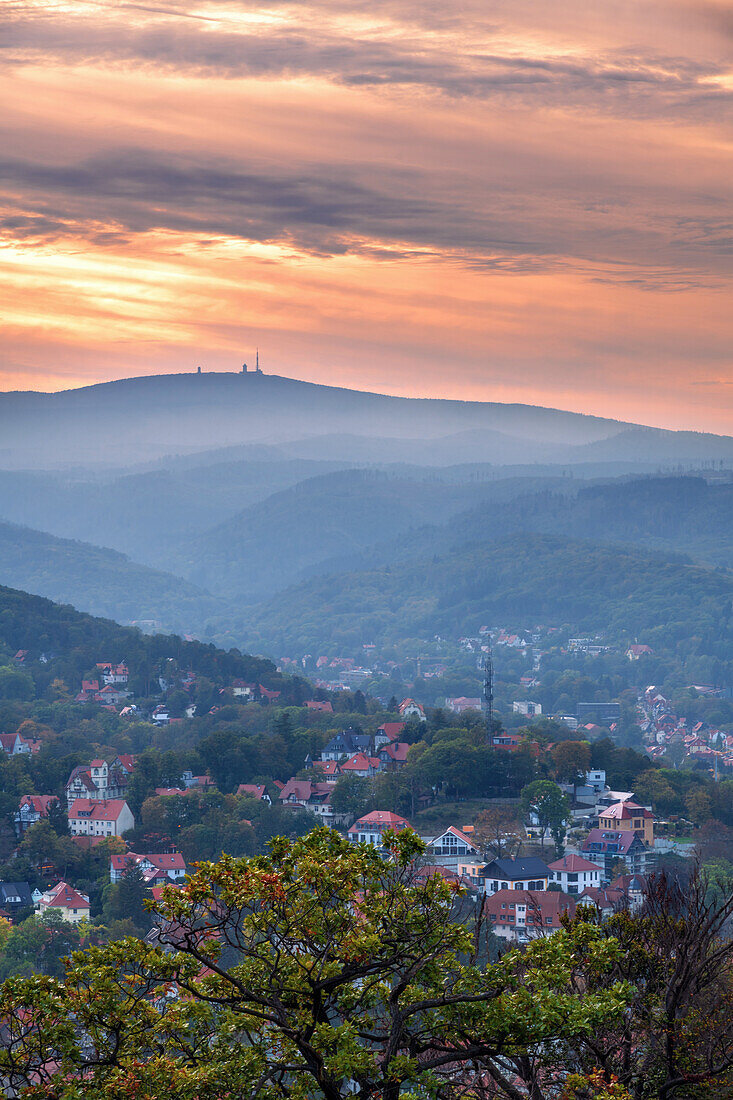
(509, 201)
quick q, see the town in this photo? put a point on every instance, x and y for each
(532, 816)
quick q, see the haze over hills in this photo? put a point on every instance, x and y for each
(245, 485)
(685, 514)
(540, 578)
(100, 582)
(271, 543)
(146, 514)
(138, 420)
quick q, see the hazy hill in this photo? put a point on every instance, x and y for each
(271, 543)
(527, 578)
(680, 514)
(147, 513)
(100, 581)
(138, 419)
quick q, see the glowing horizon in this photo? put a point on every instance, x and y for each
(516, 206)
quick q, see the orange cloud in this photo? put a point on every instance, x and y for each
(511, 205)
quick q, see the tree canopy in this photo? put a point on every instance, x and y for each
(320, 971)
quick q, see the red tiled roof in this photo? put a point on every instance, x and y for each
(381, 820)
(253, 790)
(397, 750)
(39, 802)
(63, 896)
(625, 810)
(572, 864)
(393, 729)
(97, 810)
(540, 904)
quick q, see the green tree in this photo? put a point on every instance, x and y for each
(321, 972)
(548, 804)
(125, 900)
(58, 819)
(571, 760)
(350, 795)
(16, 684)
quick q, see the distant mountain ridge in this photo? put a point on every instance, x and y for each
(139, 420)
(100, 582)
(532, 578)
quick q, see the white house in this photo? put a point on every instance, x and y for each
(158, 866)
(410, 709)
(369, 829)
(527, 708)
(109, 817)
(573, 874)
(450, 846)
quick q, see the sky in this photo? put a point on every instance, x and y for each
(510, 201)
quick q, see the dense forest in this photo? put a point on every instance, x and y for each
(101, 582)
(534, 578)
(65, 643)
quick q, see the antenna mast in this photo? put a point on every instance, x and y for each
(489, 694)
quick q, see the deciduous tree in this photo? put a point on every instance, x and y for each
(321, 972)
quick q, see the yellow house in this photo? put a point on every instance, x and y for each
(72, 905)
(628, 817)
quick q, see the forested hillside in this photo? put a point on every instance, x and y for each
(535, 578)
(71, 643)
(682, 514)
(101, 582)
(274, 542)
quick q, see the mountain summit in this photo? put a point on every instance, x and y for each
(142, 419)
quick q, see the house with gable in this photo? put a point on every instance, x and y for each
(388, 731)
(461, 704)
(89, 688)
(609, 847)
(31, 809)
(635, 652)
(370, 828)
(258, 791)
(530, 873)
(73, 905)
(573, 874)
(113, 674)
(606, 900)
(393, 755)
(452, 847)
(98, 780)
(519, 916)
(629, 816)
(327, 771)
(408, 708)
(14, 897)
(100, 818)
(360, 764)
(346, 743)
(315, 797)
(158, 868)
(15, 745)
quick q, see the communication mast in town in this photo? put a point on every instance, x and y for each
(489, 694)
